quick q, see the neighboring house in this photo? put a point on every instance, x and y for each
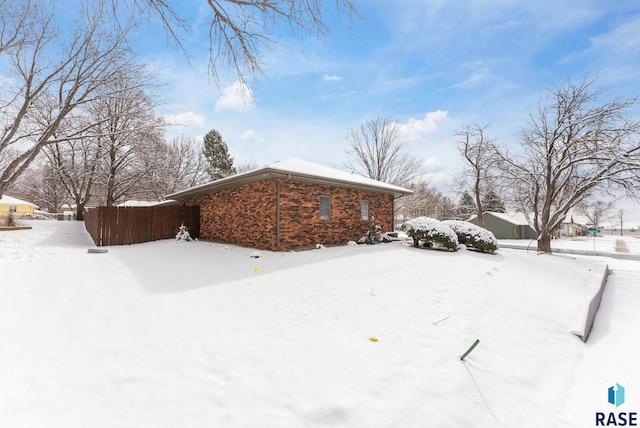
(507, 226)
(15, 206)
(290, 205)
(573, 225)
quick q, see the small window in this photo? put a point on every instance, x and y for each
(325, 207)
(364, 210)
(12, 208)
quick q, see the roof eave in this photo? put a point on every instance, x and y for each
(265, 173)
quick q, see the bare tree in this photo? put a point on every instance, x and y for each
(595, 210)
(75, 162)
(377, 150)
(576, 144)
(13, 21)
(478, 152)
(179, 164)
(51, 75)
(246, 166)
(41, 185)
(116, 148)
(425, 201)
(240, 30)
(131, 137)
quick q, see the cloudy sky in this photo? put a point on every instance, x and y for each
(433, 66)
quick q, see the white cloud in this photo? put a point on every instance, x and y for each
(415, 129)
(331, 78)
(238, 97)
(187, 118)
(251, 135)
(432, 163)
(622, 41)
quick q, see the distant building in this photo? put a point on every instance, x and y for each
(506, 226)
(16, 207)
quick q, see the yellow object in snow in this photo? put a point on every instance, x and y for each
(373, 339)
(256, 269)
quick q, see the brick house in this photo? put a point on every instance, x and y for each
(291, 205)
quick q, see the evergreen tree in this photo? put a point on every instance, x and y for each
(215, 150)
(467, 206)
(492, 202)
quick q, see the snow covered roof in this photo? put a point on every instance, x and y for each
(5, 199)
(296, 169)
(517, 219)
(576, 219)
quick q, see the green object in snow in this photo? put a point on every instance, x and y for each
(471, 348)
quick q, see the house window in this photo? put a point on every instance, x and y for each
(12, 208)
(364, 210)
(325, 207)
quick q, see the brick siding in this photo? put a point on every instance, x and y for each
(247, 215)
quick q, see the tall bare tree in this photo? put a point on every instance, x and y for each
(131, 136)
(51, 75)
(478, 152)
(117, 147)
(377, 150)
(577, 143)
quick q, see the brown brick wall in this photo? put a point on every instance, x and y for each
(301, 227)
(246, 215)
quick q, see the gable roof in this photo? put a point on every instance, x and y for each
(297, 169)
(5, 199)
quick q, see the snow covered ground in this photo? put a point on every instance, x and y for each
(200, 334)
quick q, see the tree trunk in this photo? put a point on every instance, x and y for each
(544, 242)
(79, 212)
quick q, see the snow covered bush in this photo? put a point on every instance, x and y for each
(183, 234)
(432, 232)
(473, 236)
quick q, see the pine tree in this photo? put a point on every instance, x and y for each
(492, 202)
(215, 150)
(467, 206)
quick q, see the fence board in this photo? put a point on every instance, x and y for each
(134, 225)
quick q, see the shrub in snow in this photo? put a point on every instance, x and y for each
(374, 235)
(10, 221)
(473, 236)
(183, 234)
(431, 231)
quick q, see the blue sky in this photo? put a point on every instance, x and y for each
(433, 66)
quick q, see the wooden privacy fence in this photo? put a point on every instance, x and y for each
(133, 225)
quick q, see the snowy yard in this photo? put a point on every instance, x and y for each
(200, 334)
